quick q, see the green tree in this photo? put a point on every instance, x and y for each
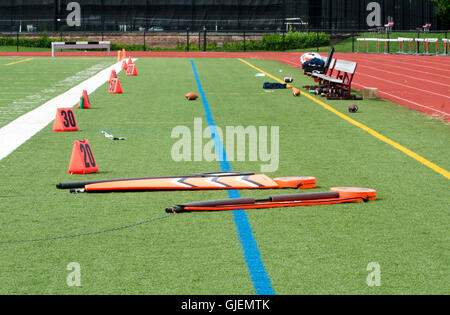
(443, 12)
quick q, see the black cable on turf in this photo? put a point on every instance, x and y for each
(119, 228)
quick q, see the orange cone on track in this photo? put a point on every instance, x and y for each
(115, 87)
(131, 71)
(130, 62)
(113, 75)
(82, 160)
(65, 120)
(124, 65)
(84, 101)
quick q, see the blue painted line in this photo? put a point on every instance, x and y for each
(258, 274)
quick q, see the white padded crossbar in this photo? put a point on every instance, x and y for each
(81, 45)
(430, 40)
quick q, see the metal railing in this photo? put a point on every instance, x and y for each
(236, 40)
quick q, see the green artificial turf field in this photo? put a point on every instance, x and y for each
(31, 82)
(305, 250)
(22, 48)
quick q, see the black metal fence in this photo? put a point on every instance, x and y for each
(219, 15)
(141, 24)
(378, 40)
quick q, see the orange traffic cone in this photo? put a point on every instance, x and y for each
(131, 69)
(115, 87)
(113, 75)
(124, 65)
(82, 160)
(130, 62)
(84, 101)
(65, 120)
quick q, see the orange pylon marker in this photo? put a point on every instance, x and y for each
(65, 120)
(131, 71)
(113, 75)
(124, 65)
(82, 160)
(84, 100)
(115, 87)
(119, 56)
(130, 62)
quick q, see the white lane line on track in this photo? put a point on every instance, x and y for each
(406, 100)
(404, 85)
(23, 128)
(297, 65)
(392, 95)
(415, 63)
(434, 75)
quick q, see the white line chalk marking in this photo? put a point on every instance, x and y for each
(26, 126)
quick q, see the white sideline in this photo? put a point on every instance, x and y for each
(17, 132)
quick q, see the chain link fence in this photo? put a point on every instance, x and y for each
(373, 41)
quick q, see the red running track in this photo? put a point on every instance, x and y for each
(417, 82)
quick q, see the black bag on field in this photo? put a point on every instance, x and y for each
(273, 86)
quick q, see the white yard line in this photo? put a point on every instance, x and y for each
(23, 104)
(23, 128)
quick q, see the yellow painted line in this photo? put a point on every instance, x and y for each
(377, 135)
(13, 63)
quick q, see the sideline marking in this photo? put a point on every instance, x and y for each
(17, 132)
(258, 274)
(377, 135)
(13, 63)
